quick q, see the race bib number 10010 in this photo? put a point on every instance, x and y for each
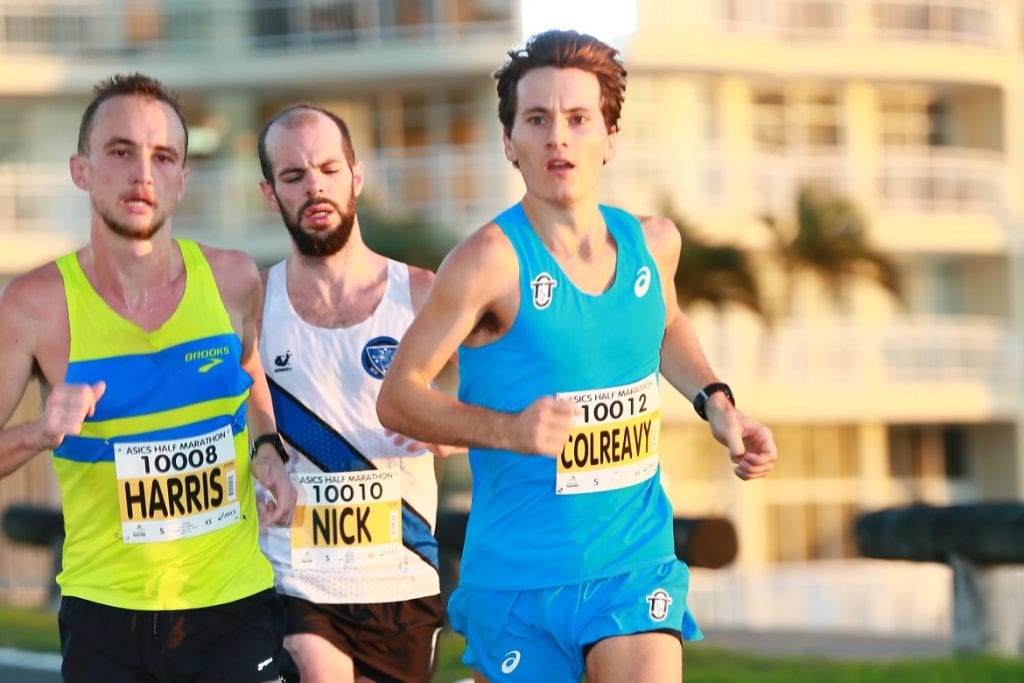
(176, 488)
(614, 442)
(345, 520)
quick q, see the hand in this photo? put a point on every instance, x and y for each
(543, 427)
(751, 445)
(65, 411)
(411, 445)
(277, 509)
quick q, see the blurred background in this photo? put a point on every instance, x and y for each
(846, 174)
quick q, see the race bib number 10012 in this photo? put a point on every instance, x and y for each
(614, 442)
(176, 488)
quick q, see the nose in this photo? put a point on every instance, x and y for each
(313, 186)
(557, 131)
(142, 174)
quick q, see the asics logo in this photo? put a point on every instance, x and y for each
(511, 661)
(642, 282)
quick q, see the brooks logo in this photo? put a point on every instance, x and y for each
(212, 356)
(265, 663)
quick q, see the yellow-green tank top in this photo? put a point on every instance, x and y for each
(159, 505)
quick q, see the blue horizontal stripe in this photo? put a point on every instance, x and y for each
(331, 452)
(145, 383)
(86, 449)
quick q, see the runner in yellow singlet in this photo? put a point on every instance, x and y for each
(145, 347)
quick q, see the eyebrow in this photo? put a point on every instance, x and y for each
(114, 142)
(302, 169)
(545, 110)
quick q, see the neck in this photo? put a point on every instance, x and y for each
(354, 267)
(132, 266)
(565, 228)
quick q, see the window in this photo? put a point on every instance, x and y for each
(797, 117)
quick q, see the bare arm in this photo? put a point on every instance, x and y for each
(420, 282)
(30, 336)
(683, 363)
(240, 287)
(478, 277)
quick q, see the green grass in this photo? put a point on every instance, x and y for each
(29, 630)
(36, 630)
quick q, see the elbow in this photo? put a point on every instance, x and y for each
(386, 410)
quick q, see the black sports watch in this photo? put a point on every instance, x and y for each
(274, 439)
(700, 401)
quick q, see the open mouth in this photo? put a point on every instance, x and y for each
(318, 213)
(559, 165)
(138, 202)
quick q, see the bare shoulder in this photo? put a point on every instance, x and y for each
(31, 296)
(235, 272)
(662, 236)
(487, 251)
(420, 282)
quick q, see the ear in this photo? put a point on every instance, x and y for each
(181, 182)
(81, 174)
(268, 193)
(510, 152)
(609, 150)
(358, 177)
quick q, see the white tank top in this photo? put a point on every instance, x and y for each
(363, 528)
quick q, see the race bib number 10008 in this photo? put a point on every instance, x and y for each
(176, 488)
(614, 442)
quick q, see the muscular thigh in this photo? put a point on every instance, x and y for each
(636, 658)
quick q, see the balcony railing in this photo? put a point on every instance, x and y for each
(97, 28)
(974, 22)
(787, 19)
(913, 179)
(831, 351)
(942, 179)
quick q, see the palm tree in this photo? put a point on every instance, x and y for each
(714, 274)
(830, 239)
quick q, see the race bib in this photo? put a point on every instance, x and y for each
(177, 488)
(347, 519)
(614, 443)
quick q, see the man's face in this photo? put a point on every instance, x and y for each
(313, 187)
(558, 136)
(134, 170)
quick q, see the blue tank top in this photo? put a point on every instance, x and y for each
(599, 509)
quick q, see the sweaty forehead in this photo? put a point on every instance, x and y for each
(558, 89)
(311, 137)
(143, 120)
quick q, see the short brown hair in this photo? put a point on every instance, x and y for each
(133, 84)
(563, 50)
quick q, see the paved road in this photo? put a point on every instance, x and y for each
(28, 667)
(828, 645)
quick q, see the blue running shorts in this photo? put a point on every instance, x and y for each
(545, 634)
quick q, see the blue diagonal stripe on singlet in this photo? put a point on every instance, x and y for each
(331, 452)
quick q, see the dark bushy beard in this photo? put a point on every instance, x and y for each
(322, 242)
